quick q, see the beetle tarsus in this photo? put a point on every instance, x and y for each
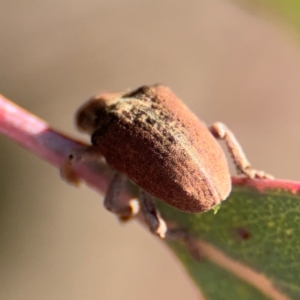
(253, 173)
(78, 155)
(85, 154)
(112, 202)
(68, 174)
(127, 211)
(152, 217)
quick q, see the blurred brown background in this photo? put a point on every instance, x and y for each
(58, 242)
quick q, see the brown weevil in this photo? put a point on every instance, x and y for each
(153, 139)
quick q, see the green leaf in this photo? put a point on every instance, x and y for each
(251, 247)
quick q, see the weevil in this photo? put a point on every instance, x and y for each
(149, 136)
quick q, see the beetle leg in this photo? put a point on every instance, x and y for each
(112, 200)
(88, 153)
(220, 131)
(152, 216)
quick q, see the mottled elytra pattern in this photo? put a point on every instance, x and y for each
(150, 136)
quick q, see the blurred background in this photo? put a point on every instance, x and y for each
(225, 62)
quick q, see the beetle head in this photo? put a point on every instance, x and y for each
(89, 115)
